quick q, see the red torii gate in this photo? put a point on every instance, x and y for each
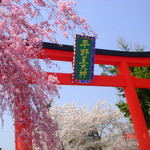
(124, 79)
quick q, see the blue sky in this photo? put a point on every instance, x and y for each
(110, 19)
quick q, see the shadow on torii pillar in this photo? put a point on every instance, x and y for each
(123, 60)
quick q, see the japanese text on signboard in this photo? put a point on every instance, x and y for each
(84, 58)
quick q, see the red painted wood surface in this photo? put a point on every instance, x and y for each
(123, 79)
(110, 81)
(136, 113)
(129, 136)
(99, 59)
(22, 124)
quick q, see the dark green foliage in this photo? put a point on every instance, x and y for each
(139, 72)
(109, 70)
(123, 108)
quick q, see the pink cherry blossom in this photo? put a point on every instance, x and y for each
(24, 25)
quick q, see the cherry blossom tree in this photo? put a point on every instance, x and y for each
(25, 88)
(91, 129)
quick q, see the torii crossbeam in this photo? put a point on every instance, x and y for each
(123, 60)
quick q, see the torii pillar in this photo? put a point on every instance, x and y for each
(124, 79)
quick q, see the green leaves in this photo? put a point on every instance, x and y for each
(139, 72)
(123, 108)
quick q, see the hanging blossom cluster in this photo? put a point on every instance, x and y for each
(24, 25)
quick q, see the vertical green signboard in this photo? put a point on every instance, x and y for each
(84, 51)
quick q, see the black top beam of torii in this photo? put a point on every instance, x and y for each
(98, 51)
